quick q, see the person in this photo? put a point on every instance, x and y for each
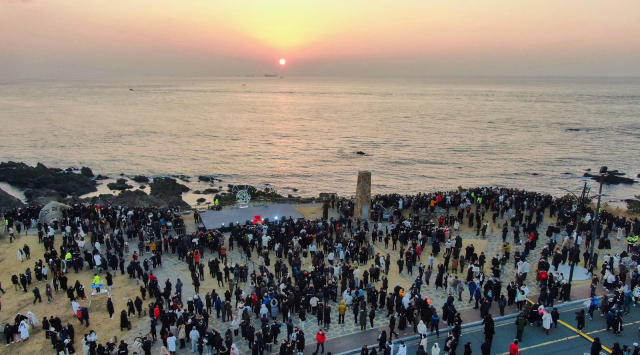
(593, 305)
(580, 318)
(171, 344)
(124, 320)
(555, 316)
(382, 340)
(36, 295)
(485, 348)
(546, 321)
(402, 349)
(321, 337)
(110, 309)
(435, 323)
(520, 324)
(33, 320)
(194, 336)
(616, 350)
(23, 329)
(513, 348)
(467, 348)
(435, 349)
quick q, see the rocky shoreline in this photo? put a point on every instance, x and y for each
(42, 184)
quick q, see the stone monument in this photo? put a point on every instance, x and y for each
(363, 196)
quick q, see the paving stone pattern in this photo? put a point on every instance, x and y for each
(174, 269)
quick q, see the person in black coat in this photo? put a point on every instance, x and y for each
(382, 340)
(489, 328)
(485, 348)
(110, 308)
(596, 347)
(124, 320)
(300, 343)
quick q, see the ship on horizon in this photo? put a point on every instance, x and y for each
(271, 75)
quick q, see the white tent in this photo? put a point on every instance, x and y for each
(52, 210)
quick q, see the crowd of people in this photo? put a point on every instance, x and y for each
(307, 269)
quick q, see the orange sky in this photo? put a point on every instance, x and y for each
(50, 39)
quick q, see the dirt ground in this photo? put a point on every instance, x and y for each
(14, 302)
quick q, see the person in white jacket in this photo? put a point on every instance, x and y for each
(23, 328)
(402, 349)
(422, 329)
(546, 322)
(435, 349)
(33, 320)
(171, 343)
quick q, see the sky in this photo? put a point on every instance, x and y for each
(100, 39)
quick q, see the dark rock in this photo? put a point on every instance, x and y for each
(205, 178)
(168, 190)
(295, 190)
(120, 184)
(140, 178)
(63, 183)
(535, 174)
(588, 170)
(201, 200)
(198, 192)
(130, 198)
(566, 173)
(360, 152)
(42, 196)
(8, 202)
(86, 172)
(142, 187)
(572, 129)
(210, 191)
(612, 177)
(102, 177)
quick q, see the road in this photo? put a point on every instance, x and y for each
(564, 338)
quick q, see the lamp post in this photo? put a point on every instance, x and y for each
(574, 250)
(594, 231)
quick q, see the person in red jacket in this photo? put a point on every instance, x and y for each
(513, 348)
(156, 312)
(320, 338)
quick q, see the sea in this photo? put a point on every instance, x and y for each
(301, 136)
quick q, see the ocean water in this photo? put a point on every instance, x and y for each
(418, 134)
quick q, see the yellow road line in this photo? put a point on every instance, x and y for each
(584, 335)
(545, 343)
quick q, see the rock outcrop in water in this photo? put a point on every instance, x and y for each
(86, 172)
(613, 177)
(120, 184)
(40, 181)
(140, 178)
(8, 202)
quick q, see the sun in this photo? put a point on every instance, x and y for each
(282, 61)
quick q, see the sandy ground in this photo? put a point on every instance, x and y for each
(14, 302)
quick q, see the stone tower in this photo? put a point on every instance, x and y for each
(363, 196)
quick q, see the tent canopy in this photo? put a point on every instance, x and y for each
(52, 210)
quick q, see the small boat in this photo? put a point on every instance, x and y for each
(271, 75)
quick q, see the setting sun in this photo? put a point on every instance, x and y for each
(282, 61)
